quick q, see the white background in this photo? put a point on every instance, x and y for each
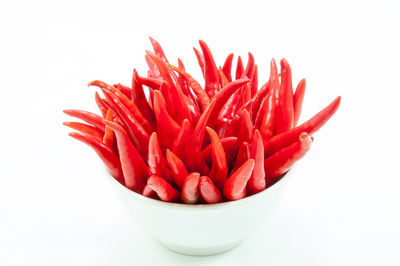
(342, 207)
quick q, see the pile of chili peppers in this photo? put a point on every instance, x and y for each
(193, 144)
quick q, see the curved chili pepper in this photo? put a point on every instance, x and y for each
(137, 133)
(108, 138)
(235, 186)
(227, 68)
(223, 80)
(230, 107)
(200, 60)
(258, 99)
(204, 100)
(193, 109)
(178, 169)
(284, 116)
(158, 50)
(248, 72)
(163, 189)
(140, 100)
(190, 189)
(230, 147)
(208, 191)
(170, 129)
(131, 106)
(242, 156)
(124, 89)
(254, 81)
(88, 117)
(256, 182)
(245, 95)
(298, 100)
(280, 162)
(101, 104)
(210, 69)
(133, 166)
(148, 192)
(182, 138)
(150, 82)
(239, 68)
(152, 68)
(182, 82)
(246, 127)
(285, 139)
(223, 95)
(219, 170)
(87, 129)
(109, 158)
(156, 160)
(195, 162)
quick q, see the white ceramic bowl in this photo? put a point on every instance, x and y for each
(200, 229)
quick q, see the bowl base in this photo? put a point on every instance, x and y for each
(193, 251)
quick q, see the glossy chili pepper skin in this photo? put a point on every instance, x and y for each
(133, 166)
(190, 189)
(158, 50)
(101, 104)
(88, 117)
(257, 182)
(285, 139)
(254, 81)
(109, 158)
(223, 80)
(219, 170)
(123, 89)
(298, 100)
(108, 138)
(156, 160)
(227, 67)
(258, 100)
(153, 71)
(281, 161)
(139, 98)
(235, 187)
(149, 82)
(248, 72)
(178, 168)
(163, 189)
(246, 128)
(148, 192)
(239, 68)
(210, 71)
(230, 146)
(242, 156)
(200, 60)
(86, 129)
(183, 136)
(208, 191)
(284, 116)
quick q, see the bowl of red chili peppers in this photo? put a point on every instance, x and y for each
(199, 166)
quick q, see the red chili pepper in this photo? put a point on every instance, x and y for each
(208, 191)
(124, 89)
(137, 133)
(285, 139)
(156, 161)
(85, 128)
(163, 189)
(235, 187)
(193, 109)
(200, 60)
(298, 100)
(223, 80)
(182, 138)
(150, 82)
(227, 68)
(219, 170)
(133, 166)
(230, 147)
(246, 127)
(258, 100)
(242, 156)
(248, 72)
(170, 129)
(103, 107)
(131, 106)
(239, 68)
(190, 189)
(178, 169)
(280, 162)
(223, 95)
(195, 162)
(108, 138)
(256, 182)
(109, 158)
(284, 116)
(88, 117)
(210, 69)
(148, 192)
(140, 100)
(182, 82)
(245, 95)
(229, 109)
(158, 50)
(204, 100)
(254, 81)
(153, 71)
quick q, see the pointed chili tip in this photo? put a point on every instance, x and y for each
(91, 83)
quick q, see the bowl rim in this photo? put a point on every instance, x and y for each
(282, 179)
